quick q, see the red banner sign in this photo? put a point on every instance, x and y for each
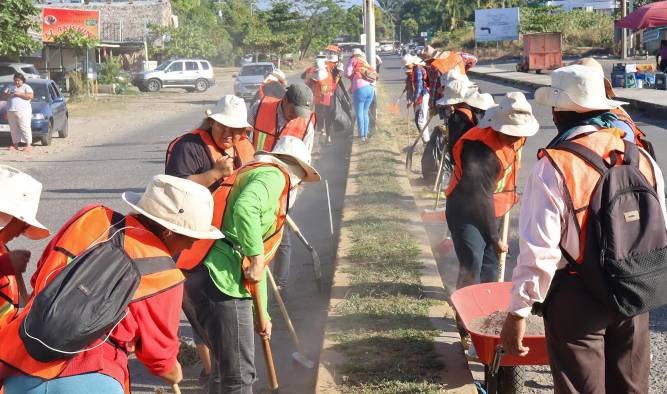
(56, 21)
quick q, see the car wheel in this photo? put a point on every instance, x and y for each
(65, 130)
(153, 85)
(201, 85)
(46, 140)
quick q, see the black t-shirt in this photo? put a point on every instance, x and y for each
(189, 156)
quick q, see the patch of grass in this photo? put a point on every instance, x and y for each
(383, 327)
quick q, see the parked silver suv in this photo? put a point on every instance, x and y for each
(191, 74)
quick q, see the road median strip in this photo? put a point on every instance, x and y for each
(385, 331)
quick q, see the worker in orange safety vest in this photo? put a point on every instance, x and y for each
(322, 82)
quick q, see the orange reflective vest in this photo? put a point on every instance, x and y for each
(189, 259)
(266, 131)
(88, 226)
(9, 296)
(322, 90)
(509, 158)
(625, 117)
(580, 179)
(243, 150)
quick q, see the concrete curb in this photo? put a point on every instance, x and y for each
(638, 105)
(456, 375)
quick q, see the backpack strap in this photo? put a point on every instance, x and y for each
(631, 154)
(585, 154)
(117, 226)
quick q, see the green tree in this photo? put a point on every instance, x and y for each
(77, 40)
(410, 27)
(16, 22)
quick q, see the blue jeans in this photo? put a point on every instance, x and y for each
(78, 384)
(478, 262)
(282, 260)
(363, 97)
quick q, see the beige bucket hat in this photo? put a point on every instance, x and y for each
(456, 90)
(358, 52)
(429, 53)
(576, 88)
(177, 204)
(594, 64)
(409, 60)
(20, 199)
(512, 116)
(293, 154)
(275, 75)
(230, 111)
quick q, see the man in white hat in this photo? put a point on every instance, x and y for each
(165, 220)
(251, 216)
(213, 150)
(468, 106)
(591, 345)
(420, 93)
(483, 185)
(18, 210)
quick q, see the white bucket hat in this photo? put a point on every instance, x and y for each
(456, 90)
(512, 116)
(290, 152)
(276, 75)
(230, 111)
(20, 199)
(358, 52)
(409, 60)
(576, 88)
(479, 100)
(177, 204)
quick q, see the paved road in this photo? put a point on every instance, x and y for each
(126, 159)
(656, 131)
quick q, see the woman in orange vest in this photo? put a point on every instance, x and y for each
(483, 185)
(210, 153)
(592, 347)
(20, 199)
(323, 84)
(167, 218)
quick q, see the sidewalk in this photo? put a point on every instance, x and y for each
(649, 100)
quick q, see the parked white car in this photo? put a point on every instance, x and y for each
(7, 71)
(190, 74)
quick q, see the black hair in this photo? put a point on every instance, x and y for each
(570, 119)
(19, 76)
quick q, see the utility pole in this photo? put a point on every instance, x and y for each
(369, 29)
(624, 31)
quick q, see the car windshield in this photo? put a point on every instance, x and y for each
(256, 70)
(163, 66)
(40, 93)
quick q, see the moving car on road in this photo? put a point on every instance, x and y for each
(49, 110)
(250, 79)
(190, 74)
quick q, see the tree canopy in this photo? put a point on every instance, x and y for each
(16, 20)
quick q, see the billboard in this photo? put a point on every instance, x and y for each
(497, 24)
(55, 21)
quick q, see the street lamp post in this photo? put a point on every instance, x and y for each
(369, 29)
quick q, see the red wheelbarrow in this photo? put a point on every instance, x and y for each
(500, 370)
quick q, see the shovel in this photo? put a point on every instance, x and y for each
(317, 265)
(504, 236)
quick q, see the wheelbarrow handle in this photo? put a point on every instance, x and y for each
(495, 365)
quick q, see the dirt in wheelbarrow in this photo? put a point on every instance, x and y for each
(493, 324)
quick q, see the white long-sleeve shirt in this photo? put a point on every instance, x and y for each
(545, 222)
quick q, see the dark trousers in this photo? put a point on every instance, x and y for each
(592, 348)
(226, 325)
(324, 118)
(282, 259)
(478, 262)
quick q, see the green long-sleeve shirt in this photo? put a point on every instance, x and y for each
(250, 217)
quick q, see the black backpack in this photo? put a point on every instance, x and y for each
(84, 301)
(625, 241)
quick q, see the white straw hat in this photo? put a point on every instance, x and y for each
(177, 204)
(20, 199)
(457, 90)
(512, 116)
(230, 111)
(292, 151)
(576, 88)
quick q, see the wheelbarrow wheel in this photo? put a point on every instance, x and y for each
(511, 380)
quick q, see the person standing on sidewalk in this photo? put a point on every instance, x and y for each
(363, 79)
(250, 211)
(483, 186)
(592, 347)
(19, 114)
(18, 216)
(420, 96)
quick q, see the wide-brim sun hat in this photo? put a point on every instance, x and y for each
(456, 90)
(512, 116)
(482, 101)
(594, 64)
(358, 52)
(293, 151)
(177, 204)
(230, 111)
(576, 88)
(20, 199)
(429, 52)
